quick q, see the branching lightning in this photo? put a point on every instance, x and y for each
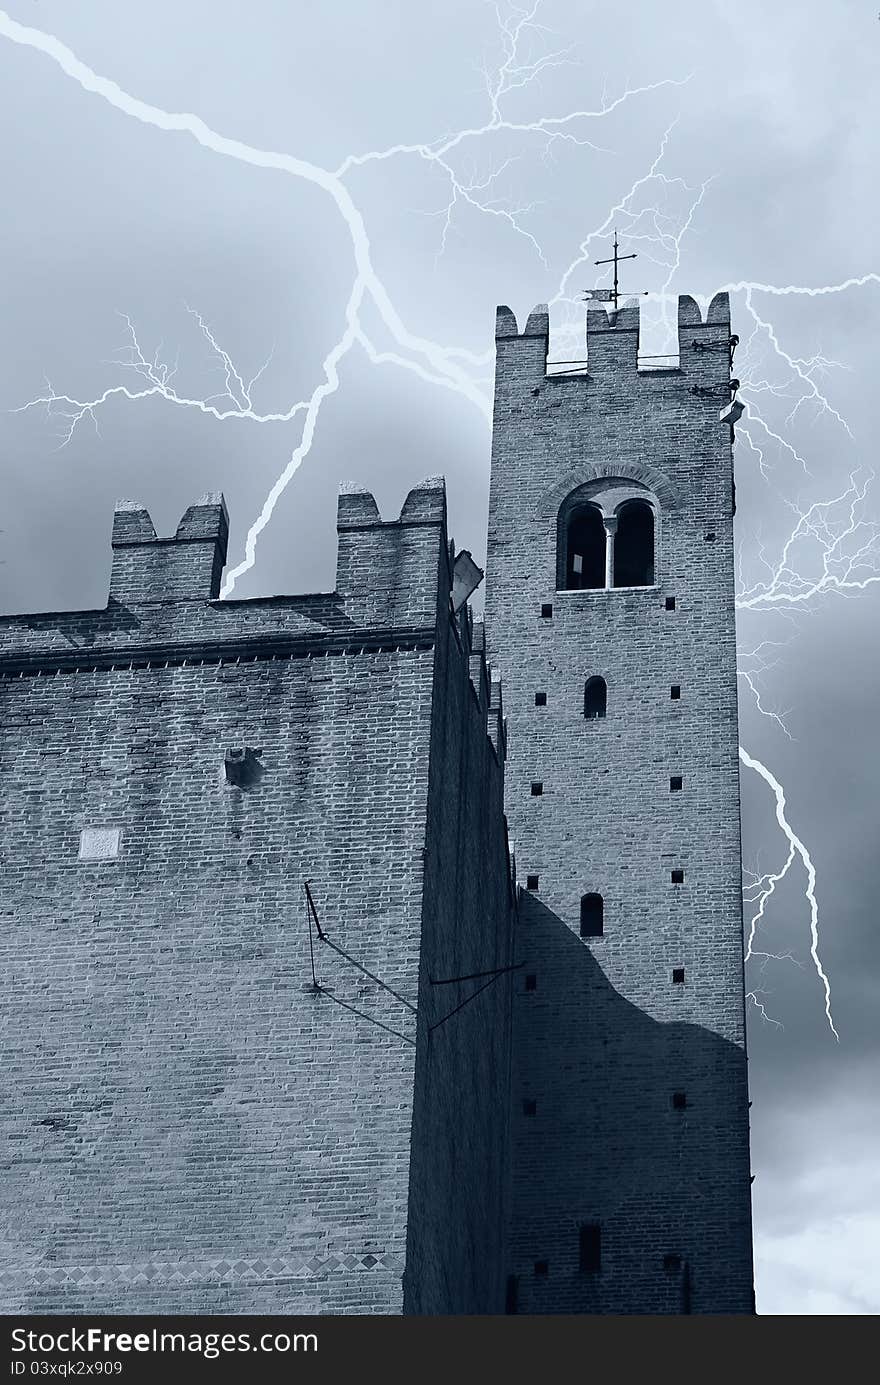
(833, 546)
(769, 882)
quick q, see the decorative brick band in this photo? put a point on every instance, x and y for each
(656, 480)
(231, 651)
(261, 1269)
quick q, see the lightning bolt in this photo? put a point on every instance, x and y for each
(795, 846)
(433, 363)
(845, 538)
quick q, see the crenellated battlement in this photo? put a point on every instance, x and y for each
(190, 564)
(612, 347)
(397, 571)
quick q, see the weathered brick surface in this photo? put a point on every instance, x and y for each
(606, 1038)
(187, 1125)
(455, 1261)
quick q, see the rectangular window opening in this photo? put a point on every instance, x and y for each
(531, 882)
(679, 1101)
(530, 1108)
(675, 783)
(547, 610)
(678, 877)
(531, 983)
(537, 788)
(671, 1263)
(511, 1296)
(678, 976)
(541, 1267)
(675, 692)
(590, 1248)
(540, 699)
(670, 603)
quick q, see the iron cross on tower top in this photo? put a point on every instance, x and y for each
(610, 295)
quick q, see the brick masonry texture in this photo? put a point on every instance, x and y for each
(187, 1124)
(604, 1039)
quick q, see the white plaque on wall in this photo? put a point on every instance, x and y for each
(99, 843)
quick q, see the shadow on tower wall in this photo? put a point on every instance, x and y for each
(625, 1124)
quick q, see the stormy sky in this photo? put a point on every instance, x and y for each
(731, 145)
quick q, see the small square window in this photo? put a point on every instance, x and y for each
(710, 538)
(531, 882)
(531, 983)
(530, 1108)
(678, 976)
(678, 877)
(537, 788)
(671, 1263)
(547, 610)
(679, 1101)
(541, 699)
(675, 782)
(541, 1267)
(675, 692)
(670, 603)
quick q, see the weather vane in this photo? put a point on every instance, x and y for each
(610, 295)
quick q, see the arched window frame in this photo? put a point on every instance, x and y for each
(595, 698)
(619, 511)
(595, 563)
(608, 494)
(590, 915)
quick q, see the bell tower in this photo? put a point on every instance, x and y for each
(610, 616)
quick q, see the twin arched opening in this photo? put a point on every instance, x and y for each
(598, 550)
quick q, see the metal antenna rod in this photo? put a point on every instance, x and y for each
(615, 260)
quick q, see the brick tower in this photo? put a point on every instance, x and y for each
(610, 615)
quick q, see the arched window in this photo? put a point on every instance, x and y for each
(634, 545)
(595, 697)
(592, 916)
(585, 549)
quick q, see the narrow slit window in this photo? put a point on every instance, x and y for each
(595, 698)
(511, 1296)
(590, 1248)
(592, 916)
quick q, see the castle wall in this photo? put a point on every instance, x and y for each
(603, 1037)
(188, 1125)
(459, 1171)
